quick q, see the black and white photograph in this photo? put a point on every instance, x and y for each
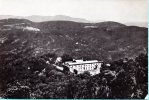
(74, 49)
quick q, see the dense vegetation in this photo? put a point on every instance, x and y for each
(23, 77)
(24, 72)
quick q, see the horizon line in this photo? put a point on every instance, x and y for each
(98, 20)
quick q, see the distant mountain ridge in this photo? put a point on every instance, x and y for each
(38, 18)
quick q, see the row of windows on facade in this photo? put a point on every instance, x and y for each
(85, 67)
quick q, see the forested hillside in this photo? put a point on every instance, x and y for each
(107, 41)
(25, 47)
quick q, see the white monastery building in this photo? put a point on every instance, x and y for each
(80, 66)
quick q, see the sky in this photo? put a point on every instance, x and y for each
(93, 10)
